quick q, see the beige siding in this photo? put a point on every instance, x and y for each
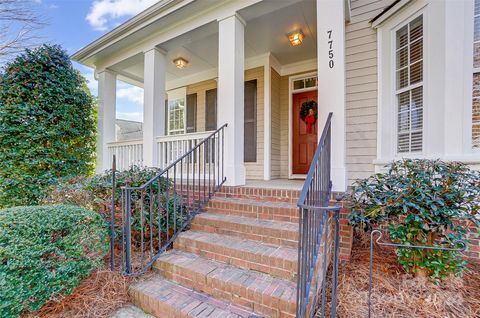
(276, 124)
(361, 88)
(254, 169)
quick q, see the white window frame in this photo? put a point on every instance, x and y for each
(173, 95)
(396, 92)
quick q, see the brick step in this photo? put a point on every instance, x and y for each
(261, 194)
(166, 299)
(275, 260)
(257, 292)
(266, 210)
(268, 231)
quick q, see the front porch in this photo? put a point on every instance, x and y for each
(241, 70)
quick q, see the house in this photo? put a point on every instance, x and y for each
(400, 77)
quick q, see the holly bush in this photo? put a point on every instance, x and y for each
(45, 251)
(47, 124)
(421, 202)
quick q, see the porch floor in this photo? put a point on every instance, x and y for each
(282, 184)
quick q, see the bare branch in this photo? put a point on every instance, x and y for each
(18, 26)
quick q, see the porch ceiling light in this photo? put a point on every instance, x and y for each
(296, 37)
(180, 62)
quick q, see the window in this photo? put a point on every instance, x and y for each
(250, 122)
(176, 116)
(476, 79)
(409, 86)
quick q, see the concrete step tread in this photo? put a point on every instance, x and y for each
(267, 224)
(166, 299)
(250, 284)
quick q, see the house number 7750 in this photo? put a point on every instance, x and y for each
(331, 63)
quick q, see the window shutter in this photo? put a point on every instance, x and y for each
(191, 113)
(211, 109)
(250, 122)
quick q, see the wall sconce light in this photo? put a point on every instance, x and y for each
(180, 62)
(296, 37)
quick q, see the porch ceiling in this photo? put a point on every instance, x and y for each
(268, 22)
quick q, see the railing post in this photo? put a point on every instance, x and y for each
(112, 216)
(128, 229)
(333, 309)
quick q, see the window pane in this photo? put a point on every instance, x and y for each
(298, 84)
(416, 29)
(416, 72)
(476, 54)
(311, 82)
(476, 30)
(476, 112)
(403, 142)
(416, 51)
(402, 58)
(402, 37)
(402, 78)
(417, 108)
(416, 142)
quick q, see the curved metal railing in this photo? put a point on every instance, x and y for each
(156, 212)
(314, 225)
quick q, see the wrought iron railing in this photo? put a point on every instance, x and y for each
(154, 213)
(315, 224)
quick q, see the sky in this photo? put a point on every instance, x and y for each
(75, 23)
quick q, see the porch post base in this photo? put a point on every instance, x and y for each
(235, 174)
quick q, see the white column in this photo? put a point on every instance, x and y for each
(331, 81)
(107, 90)
(267, 121)
(154, 104)
(231, 60)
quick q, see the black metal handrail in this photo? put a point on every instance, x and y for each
(314, 225)
(156, 212)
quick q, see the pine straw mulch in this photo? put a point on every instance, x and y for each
(398, 294)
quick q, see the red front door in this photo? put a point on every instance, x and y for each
(304, 130)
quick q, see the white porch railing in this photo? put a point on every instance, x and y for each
(127, 153)
(172, 147)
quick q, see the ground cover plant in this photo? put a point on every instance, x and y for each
(45, 251)
(421, 202)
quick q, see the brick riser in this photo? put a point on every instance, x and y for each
(254, 209)
(272, 195)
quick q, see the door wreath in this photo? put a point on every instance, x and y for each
(308, 113)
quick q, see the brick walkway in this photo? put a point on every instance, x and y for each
(238, 260)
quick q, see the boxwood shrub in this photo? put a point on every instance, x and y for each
(45, 251)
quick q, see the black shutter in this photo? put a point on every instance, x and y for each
(211, 109)
(191, 113)
(250, 122)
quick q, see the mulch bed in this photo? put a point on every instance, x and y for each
(398, 294)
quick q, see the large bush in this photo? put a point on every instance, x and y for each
(44, 252)
(47, 124)
(421, 202)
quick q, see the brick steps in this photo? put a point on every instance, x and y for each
(266, 210)
(255, 291)
(268, 231)
(167, 299)
(239, 259)
(275, 260)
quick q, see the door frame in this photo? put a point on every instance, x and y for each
(291, 91)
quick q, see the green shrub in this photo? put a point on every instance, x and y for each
(47, 124)
(420, 202)
(95, 193)
(44, 252)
